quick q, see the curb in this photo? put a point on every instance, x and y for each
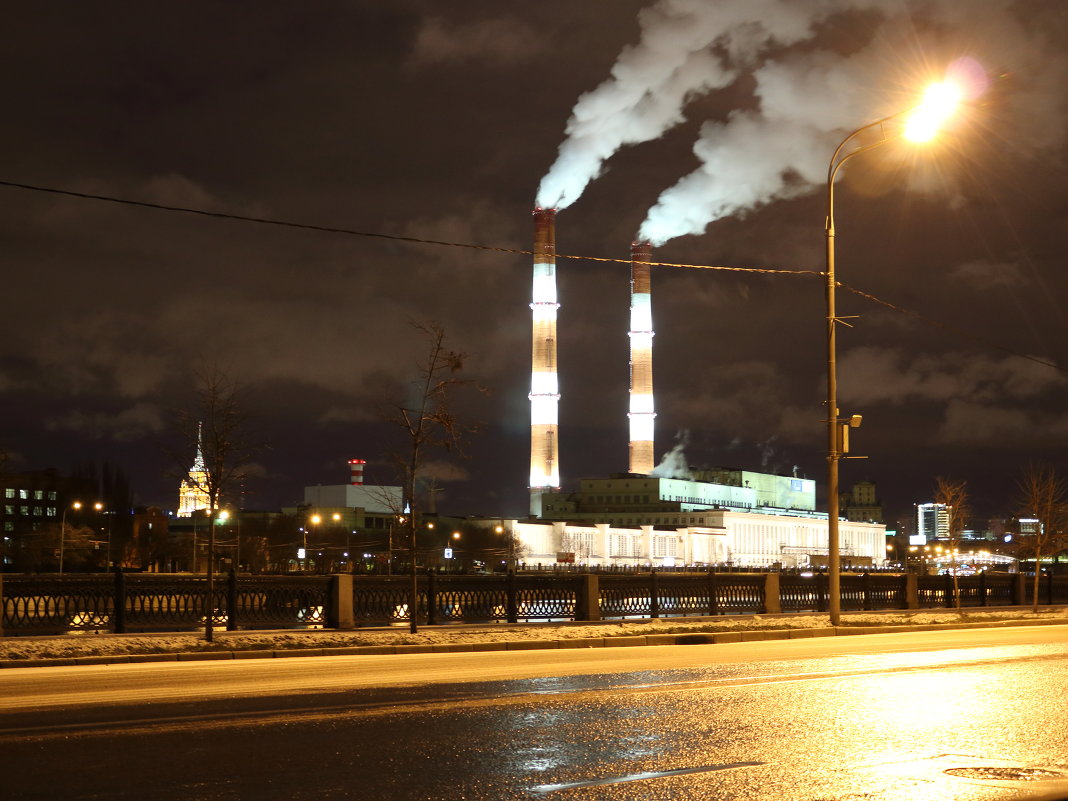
(625, 641)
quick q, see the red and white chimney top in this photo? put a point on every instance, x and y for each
(356, 471)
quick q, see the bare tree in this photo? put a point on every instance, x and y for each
(429, 425)
(1043, 494)
(954, 496)
(217, 426)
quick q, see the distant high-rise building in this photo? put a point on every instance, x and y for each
(193, 491)
(932, 520)
(861, 504)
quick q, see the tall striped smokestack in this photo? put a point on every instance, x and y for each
(642, 412)
(356, 471)
(544, 387)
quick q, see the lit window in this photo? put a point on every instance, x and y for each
(37, 511)
(51, 495)
(38, 495)
(9, 509)
(9, 526)
(24, 510)
(9, 492)
(23, 494)
(51, 511)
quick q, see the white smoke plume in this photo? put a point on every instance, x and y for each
(674, 464)
(809, 91)
(687, 48)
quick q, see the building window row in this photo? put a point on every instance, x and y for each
(9, 509)
(10, 493)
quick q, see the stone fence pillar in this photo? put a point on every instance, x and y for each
(588, 606)
(772, 599)
(340, 614)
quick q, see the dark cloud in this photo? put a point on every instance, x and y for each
(502, 40)
(411, 119)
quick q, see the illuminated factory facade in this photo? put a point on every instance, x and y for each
(732, 517)
(716, 517)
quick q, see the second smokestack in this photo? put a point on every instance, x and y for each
(642, 411)
(544, 386)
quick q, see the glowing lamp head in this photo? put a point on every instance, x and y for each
(939, 103)
(316, 519)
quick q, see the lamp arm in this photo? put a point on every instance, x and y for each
(835, 162)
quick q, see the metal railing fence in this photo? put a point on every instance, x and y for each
(121, 602)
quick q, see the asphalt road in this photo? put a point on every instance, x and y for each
(977, 714)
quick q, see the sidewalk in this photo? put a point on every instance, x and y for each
(103, 649)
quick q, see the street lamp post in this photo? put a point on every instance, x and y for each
(99, 508)
(922, 124)
(314, 520)
(63, 532)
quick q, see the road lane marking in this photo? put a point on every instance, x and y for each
(638, 777)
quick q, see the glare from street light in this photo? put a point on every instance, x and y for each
(939, 103)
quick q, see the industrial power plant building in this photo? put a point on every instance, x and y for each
(757, 520)
(725, 517)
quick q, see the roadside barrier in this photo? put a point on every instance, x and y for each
(140, 602)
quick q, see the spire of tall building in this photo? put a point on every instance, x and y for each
(193, 491)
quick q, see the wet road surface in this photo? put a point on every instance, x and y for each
(932, 715)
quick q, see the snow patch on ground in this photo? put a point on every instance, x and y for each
(68, 646)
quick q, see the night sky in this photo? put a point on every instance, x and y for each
(440, 120)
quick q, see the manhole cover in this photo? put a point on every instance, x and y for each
(1006, 774)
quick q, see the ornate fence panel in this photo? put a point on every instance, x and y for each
(803, 593)
(623, 596)
(57, 604)
(740, 593)
(933, 592)
(873, 591)
(987, 589)
(281, 602)
(551, 597)
(1000, 589)
(888, 591)
(380, 600)
(971, 590)
(853, 590)
(171, 603)
(471, 599)
(683, 595)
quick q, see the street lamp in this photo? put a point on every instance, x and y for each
(314, 520)
(921, 124)
(63, 531)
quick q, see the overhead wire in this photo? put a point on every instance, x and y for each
(960, 332)
(222, 215)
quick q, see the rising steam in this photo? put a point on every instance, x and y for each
(809, 91)
(674, 463)
(687, 48)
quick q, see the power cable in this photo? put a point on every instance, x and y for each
(515, 251)
(222, 215)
